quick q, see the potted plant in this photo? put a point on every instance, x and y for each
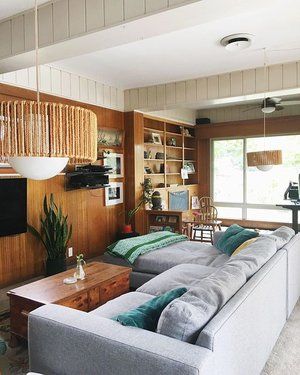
(54, 234)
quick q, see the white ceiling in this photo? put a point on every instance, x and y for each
(11, 7)
(195, 51)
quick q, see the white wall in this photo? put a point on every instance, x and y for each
(178, 114)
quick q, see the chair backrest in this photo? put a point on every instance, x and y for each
(206, 201)
(208, 213)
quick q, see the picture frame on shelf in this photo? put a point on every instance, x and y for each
(116, 162)
(160, 219)
(114, 194)
(156, 138)
(110, 138)
(195, 203)
(173, 219)
(189, 167)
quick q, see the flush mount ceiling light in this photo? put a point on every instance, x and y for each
(236, 42)
(39, 138)
(264, 160)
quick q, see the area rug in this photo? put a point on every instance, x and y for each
(13, 361)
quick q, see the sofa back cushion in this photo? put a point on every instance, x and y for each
(282, 236)
(184, 318)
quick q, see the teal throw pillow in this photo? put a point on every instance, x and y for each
(146, 316)
(233, 237)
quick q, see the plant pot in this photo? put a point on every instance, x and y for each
(54, 266)
(127, 228)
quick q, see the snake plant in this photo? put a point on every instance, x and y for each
(55, 232)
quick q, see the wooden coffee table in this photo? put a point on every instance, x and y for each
(103, 282)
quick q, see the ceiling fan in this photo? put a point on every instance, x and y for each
(270, 105)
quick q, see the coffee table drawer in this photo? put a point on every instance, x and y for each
(114, 288)
(79, 302)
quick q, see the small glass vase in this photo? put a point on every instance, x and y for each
(79, 273)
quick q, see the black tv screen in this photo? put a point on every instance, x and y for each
(13, 206)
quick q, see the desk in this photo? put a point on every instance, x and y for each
(295, 207)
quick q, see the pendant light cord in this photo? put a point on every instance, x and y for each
(36, 35)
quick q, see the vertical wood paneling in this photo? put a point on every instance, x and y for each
(56, 81)
(66, 84)
(5, 38)
(94, 14)
(92, 91)
(170, 93)
(155, 5)
(17, 30)
(236, 83)
(113, 97)
(275, 77)
(249, 81)
(134, 8)
(22, 77)
(120, 99)
(60, 22)
(29, 31)
(100, 93)
(134, 97)
(212, 87)
(289, 75)
(76, 17)
(31, 78)
(83, 89)
(298, 73)
(143, 97)
(106, 96)
(127, 104)
(10, 77)
(45, 76)
(161, 95)
(260, 85)
(151, 96)
(202, 88)
(180, 92)
(75, 86)
(45, 25)
(114, 11)
(224, 85)
(191, 91)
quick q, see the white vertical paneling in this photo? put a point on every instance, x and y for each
(10, 77)
(161, 95)
(175, 2)
(114, 12)
(170, 93)
(134, 98)
(213, 87)
(94, 14)
(113, 97)
(29, 31)
(45, 25)
(289, 75)
(260, 77)
(91, 91)
(143, 97)
(180, 92)
(60, 20)
(275, 77)
(152, 96)
(191, 91)
(76, 17)
(236, 83)
(22, 77)
(249, 81)
(5, 38)
(298, 73)
(120, 99)
(66, 84)
(99, 94)
(202, 88)
(224, 85)
(75, 87)
(134, 8)
(155, 5)
(17, 31)
(45, 77)
(32, 78)
(83, 89)
(127, 100)
(56, 81)
(107, 96)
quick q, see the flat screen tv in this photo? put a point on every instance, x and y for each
(13, 206)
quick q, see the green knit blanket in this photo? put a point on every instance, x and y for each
(131, 248)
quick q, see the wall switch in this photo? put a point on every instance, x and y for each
(70, 251)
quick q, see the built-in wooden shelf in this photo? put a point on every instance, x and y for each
(175, 134)
(152, 144)
(153, 174)
(176, 147)
(179, 160)
(190, 148)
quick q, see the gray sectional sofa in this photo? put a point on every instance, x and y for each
(226, 323)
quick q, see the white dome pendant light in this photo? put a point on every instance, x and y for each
(39, 138)
(264, 160)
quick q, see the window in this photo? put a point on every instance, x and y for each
(242, 192)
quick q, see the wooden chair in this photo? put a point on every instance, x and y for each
(206, 222)
(206, 201)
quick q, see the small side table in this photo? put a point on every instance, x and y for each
(295, 207)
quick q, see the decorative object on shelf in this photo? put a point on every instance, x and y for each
(110, 137)
(70, 280)
(37, 138)
(148, 170)
(116, 163)
(202, 121)
(155, 228)
(160, 185)
(54, 235)
(189, 167)
(159, 155)
(184, 174)
(171, 142)
(179, 200)
(156, 201)
(80, 262)
(264, 160)
(161, 219)
(156, 139)
(195, 203)
(162, 168)
(185, 132)
(114, 194)
(89, 176)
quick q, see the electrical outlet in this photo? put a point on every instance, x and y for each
(70, 252)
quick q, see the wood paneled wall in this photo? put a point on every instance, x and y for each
(94, 225)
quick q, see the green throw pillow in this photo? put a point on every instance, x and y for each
(146, 316)
(233, 238)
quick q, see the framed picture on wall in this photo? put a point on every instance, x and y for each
(110, 137)
(195, 203)
(116, 162)
(114, 194)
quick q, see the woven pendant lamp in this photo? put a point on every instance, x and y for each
(39, 138)
(264, 160)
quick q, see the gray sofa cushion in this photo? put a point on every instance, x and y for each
(282, 236)
(183, 275)
(184, 318)
(121, 304)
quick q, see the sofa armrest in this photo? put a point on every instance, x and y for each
(217, 235)
(67, 341)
